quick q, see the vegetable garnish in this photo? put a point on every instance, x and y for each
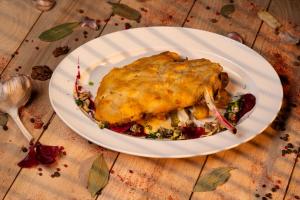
(238, 108)
(210, 103)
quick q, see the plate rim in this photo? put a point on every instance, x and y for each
(177, 141)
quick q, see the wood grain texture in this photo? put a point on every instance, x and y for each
(14, 26)
(260, 164)
(29, 56)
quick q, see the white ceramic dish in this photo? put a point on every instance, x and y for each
(248, 71)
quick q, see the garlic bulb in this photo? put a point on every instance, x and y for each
(44, 5)
(15, 92)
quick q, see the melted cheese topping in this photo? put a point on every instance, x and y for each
(153, 85)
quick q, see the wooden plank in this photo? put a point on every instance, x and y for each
(14, 27)
(29, 55)
(259, 163)
(173, 178)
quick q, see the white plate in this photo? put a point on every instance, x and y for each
(249, 72)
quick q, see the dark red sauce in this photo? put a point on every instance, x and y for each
(192, 132)
(248, 102)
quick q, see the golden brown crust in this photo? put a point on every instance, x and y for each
(152, 85)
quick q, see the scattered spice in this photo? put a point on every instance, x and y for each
(127, 26)
(55, 174)
(297, 197)
(269, 195)
(41, 73)
(207, 8)
(16, 70)
(40, 174)
(58, 169)
(5, 128)
(116, 24)
(264, 198)
(40, 169)
(80, 11)
(213, 20)
(20, 67)
(296, 64)
(264, 185)
(65, 165)
(257, 195)
(37, 48)
(122, 18)
(3, 119)
(24, 149)
(143, 9)
(112, 171)
(130, 171)
(58, 51)
(76, 39)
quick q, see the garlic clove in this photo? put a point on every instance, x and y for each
(15, 92)
(43, 5)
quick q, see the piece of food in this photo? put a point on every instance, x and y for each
(153, 85)
(163, 96)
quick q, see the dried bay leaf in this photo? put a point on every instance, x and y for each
(3, 119)
(226, 10)
(98, 175)
(212, 180)
(58, 32)
(125, 11)
(269, 19)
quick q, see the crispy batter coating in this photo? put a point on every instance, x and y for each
(152, 85)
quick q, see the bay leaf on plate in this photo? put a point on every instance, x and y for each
(125, 11)
(3, 119)
(98, 175)
(212, 180)
(227, 9)
(58, 32)
(269, 19)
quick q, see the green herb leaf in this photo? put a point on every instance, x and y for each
(98, 175)
(58, 32)
(91, 83)
(269, 19)
(125, 11)
(226, 10)
(211, 181)
(3, 119)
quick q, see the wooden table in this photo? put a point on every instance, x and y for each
(259, 163)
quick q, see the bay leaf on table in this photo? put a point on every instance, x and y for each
(227, 9)
(98, 175)
(269, 19)
(212, 180)
(125, 11)
(3, 119)
(58, 32)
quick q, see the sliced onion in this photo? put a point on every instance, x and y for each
(210, 103)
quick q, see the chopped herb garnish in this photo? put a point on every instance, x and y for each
(91, 83)
(103, 125)
(151, 136)
(78, 102)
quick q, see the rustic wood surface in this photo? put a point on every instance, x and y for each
(259, 164)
